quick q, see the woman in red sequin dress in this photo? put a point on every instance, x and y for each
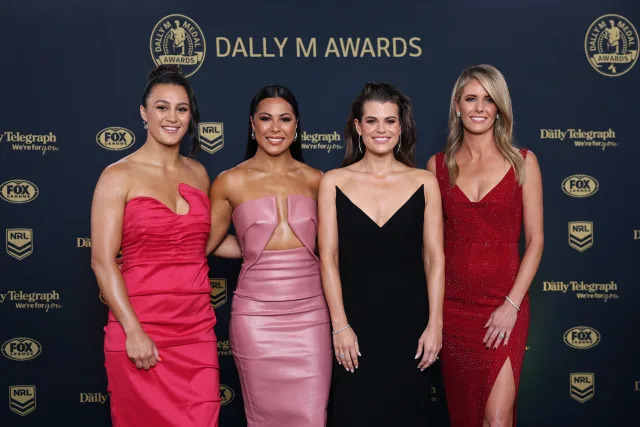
(160, 348)
(489, 188)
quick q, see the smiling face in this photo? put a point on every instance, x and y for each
(380, 126)
(274, 123)
(167, 113)
(477, 109)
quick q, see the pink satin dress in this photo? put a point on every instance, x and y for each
(280, 329)
(166, 274)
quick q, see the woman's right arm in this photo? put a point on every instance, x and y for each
(225, 246)
(345, 343)
(107, 211)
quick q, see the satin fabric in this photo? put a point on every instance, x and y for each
(166, 274)
(482, 262)
(279, 331)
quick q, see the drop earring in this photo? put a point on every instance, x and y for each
(360, 143)
(458, 114)
(145, 124)
(399, 142)
(253, 134)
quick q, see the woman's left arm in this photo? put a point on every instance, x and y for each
(430, 342)
(534, 241)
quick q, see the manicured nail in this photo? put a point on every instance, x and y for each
(352, 371)
(416, 356)
(339, 363)
(359, 354)
(356, 366)
(347, 369)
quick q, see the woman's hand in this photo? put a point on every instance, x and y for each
(345, 345)
(500, 324)
(429, 345)
(141, 350)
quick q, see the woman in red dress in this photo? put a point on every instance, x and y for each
(160, 348)
(489, 188)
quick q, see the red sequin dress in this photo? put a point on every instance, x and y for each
(481, 264)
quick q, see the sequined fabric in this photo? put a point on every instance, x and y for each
(482, 261)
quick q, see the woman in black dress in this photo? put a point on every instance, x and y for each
(381, 251)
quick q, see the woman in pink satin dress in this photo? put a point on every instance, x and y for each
(279, 331)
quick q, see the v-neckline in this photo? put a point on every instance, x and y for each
(392, 215)
(490, 191)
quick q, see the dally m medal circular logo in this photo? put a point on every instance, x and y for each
(177, 39)
(611, 45)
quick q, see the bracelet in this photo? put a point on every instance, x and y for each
(340, 330)
(512, 303)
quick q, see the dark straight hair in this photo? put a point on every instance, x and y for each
(275, 91)
(381, 92)
(171, 74)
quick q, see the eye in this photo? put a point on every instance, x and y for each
(370, 121)
(286, 119)
(183, 109)
(391, 121)
(489, 100)
(161, 107)
(470, 98)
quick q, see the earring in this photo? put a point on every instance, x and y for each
(145, 124)
(295, 137)
(360, 143)
(253, 134)
(399, 142)
(497, 116)
(458, 114)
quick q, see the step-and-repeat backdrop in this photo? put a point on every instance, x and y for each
(73, 74)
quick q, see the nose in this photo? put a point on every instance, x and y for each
(480, 106)
(380, 127)
(172, 116)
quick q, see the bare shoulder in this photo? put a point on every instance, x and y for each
(334, 177)
(311, 175)
(198, 170)
(118, 173)
(431, 164)
(423, 177)
(531, 159)
(231, 180)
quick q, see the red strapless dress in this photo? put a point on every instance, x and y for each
(166, 274)
(481, 264)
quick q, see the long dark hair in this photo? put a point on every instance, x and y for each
(171, 74)
(275, 91)
(381, 92)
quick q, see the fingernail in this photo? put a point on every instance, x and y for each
(421, 369)
(356, 366)
(416, 356)
(347, 369)
(352, 371)
(359, 354)
(339, 363)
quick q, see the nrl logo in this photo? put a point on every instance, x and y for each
(211, 136)
(19, 242)
(581, 235)
(22, 399)
(218, 292)
(582, 386)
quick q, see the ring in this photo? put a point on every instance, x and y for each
(342, 356)
(501, 334)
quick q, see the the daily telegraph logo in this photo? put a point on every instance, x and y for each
(19, 242)
(581, 337)
(21, 349)
(100, 398)
(580, 186)
(115, 138)
(18, 191)
(211, 136)
(22, 399)
(582, 386)
(31, 300)
(32, 142)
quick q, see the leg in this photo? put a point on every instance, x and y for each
(500, 405)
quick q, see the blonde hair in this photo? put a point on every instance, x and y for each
(494, 83)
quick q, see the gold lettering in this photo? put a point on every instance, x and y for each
(311, 50)
(239, 47)
(251, 53)
(368, 48)
(218, 47)
(383, 44)
(332, 47)
(417, 47)
(395, 47)
(281, 46)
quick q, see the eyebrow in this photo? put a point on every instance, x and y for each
(167, 102)
(388, 117)
(283, 114)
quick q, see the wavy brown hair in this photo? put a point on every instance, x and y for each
(381, 92)
(496, 86)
